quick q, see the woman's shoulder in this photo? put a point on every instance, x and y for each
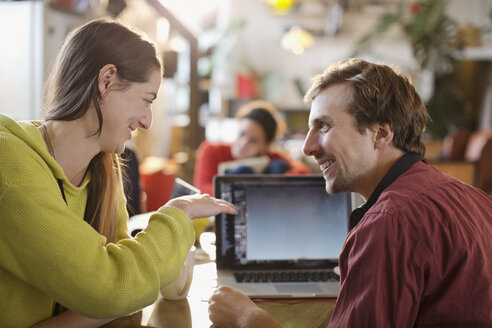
(297, 167)
(214, 147)
(278, 154)
(20, 148)
(19, 131)
(6, 120)
(14, 141)
(215, 144)
(7, 123)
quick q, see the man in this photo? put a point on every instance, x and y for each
(418, 253)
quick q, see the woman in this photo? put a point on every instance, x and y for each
(63, 242)
(259, 124)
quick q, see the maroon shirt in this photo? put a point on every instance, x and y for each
(420, 257)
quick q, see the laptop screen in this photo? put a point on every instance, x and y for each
(282, 222)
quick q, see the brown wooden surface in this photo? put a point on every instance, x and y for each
(192, 312)
(311, 314)
(461, 170)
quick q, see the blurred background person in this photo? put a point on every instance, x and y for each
(252, 152)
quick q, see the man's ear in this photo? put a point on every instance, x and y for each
(383, 135)
(107, 77)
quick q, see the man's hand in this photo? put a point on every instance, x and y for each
(231, 309)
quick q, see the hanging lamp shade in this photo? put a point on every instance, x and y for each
(297, 39)
(282, 6)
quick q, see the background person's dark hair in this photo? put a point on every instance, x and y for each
(266, 120)
(378, 94)
(72, 89)
(265, 114)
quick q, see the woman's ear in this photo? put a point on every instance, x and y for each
(383, 135)
(107, 77)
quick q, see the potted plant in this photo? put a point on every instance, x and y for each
(436, 46)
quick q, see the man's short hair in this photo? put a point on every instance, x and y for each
(378, 94)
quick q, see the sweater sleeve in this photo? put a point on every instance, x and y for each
(123, 216)
(46, 245)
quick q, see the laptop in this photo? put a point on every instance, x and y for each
(183, 188)
(285, 239)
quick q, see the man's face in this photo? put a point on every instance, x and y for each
(346, 157)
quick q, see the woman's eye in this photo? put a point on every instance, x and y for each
(148, 101)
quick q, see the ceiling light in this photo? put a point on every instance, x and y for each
(297, 40)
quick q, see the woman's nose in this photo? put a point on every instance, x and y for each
(146, 121)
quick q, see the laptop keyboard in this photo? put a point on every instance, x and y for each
(282, 276)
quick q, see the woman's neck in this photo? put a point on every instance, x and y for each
(72, 145)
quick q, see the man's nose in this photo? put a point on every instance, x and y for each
(309, 146)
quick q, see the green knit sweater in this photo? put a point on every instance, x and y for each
(49, 254)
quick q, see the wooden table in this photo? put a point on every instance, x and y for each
(192, 312)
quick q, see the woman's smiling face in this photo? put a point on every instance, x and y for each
(126, 110)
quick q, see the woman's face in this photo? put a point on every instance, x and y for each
(126, 110)
(251, 141)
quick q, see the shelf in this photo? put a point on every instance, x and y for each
(478, 53)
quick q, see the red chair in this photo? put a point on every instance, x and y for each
(476, 143)
(158, 186)
(479, 150)
(484, 166)
(454, 145)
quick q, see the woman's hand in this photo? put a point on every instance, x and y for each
(201, 206)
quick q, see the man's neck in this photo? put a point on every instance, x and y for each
(398, 168)
(385, 162)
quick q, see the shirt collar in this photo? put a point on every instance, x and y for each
(400, 167)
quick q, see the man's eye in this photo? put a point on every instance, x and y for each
(324, 126)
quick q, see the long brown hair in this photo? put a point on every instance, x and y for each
(72, 89)
(378, 94)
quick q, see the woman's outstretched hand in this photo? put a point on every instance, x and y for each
(201, 206)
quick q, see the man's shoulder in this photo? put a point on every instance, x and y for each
(425, 192)
(424, 182)
(420, 179)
